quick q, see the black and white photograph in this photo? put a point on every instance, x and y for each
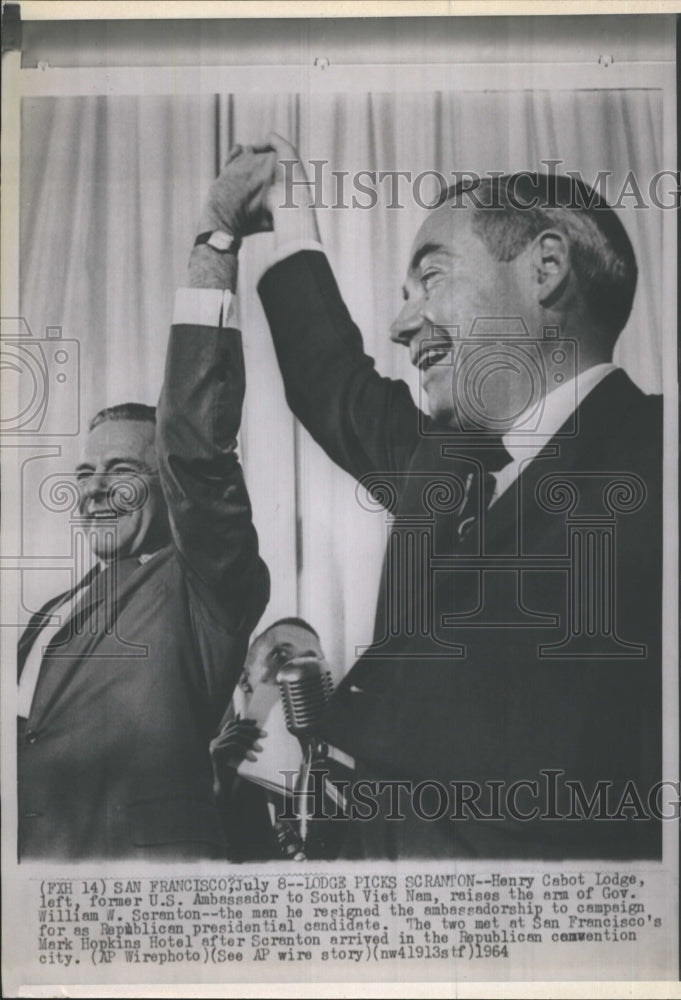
(340, 514)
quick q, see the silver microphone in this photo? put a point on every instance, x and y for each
(306, 688)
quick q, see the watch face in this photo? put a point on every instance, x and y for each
(220, 241)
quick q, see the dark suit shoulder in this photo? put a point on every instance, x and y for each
(618, 422)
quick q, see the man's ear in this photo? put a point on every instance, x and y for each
(550, 265)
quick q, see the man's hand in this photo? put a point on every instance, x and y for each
(259, 188)
(237, 741)
(290, 197)
(237, 200)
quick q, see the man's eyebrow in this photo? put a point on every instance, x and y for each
(425, 250)
(142, 466)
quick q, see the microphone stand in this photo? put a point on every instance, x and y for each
(303, 789)
(305, 689)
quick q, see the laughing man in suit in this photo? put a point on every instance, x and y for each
(516, 663)
(122, 680)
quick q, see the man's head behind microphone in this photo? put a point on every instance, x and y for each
(286, 640)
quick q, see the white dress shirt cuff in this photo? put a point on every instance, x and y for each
(204, 307)
(287, 250)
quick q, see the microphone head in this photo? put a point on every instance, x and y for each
(306, 688)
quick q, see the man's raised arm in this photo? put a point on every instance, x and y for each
(199, 414)
(364, 422)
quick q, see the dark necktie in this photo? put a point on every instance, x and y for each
(493, 457)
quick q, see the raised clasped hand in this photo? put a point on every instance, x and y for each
(260, 188)
(237, 201)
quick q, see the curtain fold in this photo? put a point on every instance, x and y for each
(110, 193)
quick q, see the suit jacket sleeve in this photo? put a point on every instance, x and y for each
(198, 419)
(364, 422)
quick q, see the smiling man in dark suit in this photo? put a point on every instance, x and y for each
(123, 679)
(514, 684)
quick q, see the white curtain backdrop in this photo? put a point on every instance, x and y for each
(110, 193)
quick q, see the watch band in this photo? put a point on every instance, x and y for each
(219, 240)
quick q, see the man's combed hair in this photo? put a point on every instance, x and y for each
(125, 411)
(510, 211)
(299, 622)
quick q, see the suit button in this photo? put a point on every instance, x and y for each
(31, 736)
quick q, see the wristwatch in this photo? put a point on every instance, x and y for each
(220, 241)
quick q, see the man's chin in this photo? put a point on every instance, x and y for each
(443, 416)
(440, 402)
(106, 541)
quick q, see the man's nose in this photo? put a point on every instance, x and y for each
(407, 323)
(93, 487)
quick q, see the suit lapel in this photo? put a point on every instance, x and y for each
(32, 631)
(42, 618)
(79, 636)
